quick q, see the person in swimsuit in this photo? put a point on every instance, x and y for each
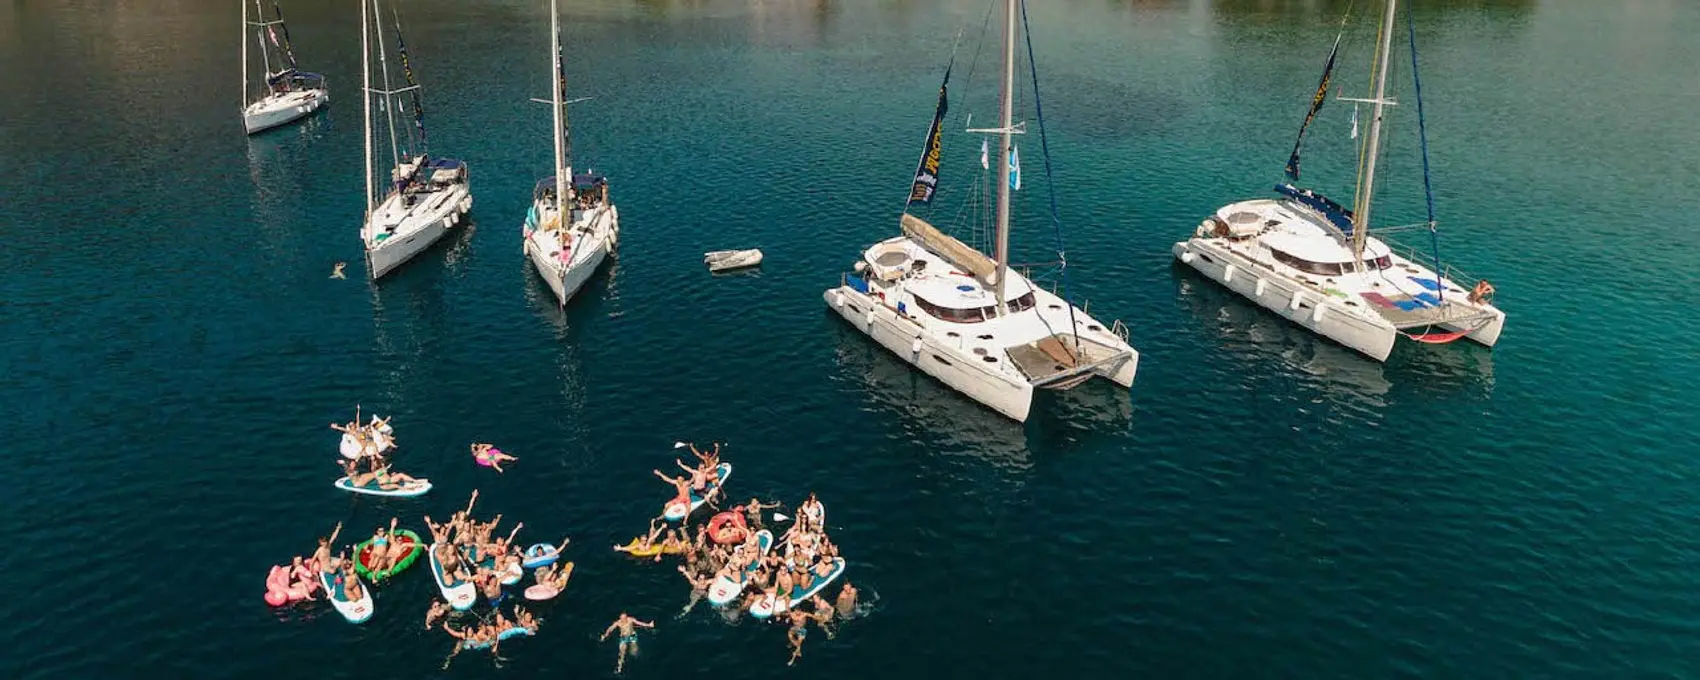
(380, 549)
(644, 543)
(799, 629)
(438, 610)
(558, 577)
(681, 485)
(388, 480)
(672, 545)
(491, 585)
(524, 619)
(813, 511)
(322, 556)
(787, 582)
(450, 559)
(822, 615)
(628, 637)
(351, 589)
(699, 587)
(490, 456)
(846, 601)
(700, 477)
(398, 547)
(710, 460)
(752, 512)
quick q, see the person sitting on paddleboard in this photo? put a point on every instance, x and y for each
(490, 456)
(700, 477)
(351, 589)
(813, 511)
(322, 556)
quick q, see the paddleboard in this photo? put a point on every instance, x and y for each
(540, 555)
(417, 487)
(676, 510)
(541, 592)
(766, 607)
(356, 611)
(724, 590)
(461, 595)
(509, 633)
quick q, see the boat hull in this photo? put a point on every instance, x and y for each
(276, 111)
(1372, 337)
(956, 369)
(438, 216)
(565, 282)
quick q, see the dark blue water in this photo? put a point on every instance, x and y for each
(1261, 504)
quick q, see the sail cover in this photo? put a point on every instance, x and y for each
(959, 253)
(927, 171)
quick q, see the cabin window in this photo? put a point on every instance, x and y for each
(1023, 303)
(952, 314)
(1303, 265)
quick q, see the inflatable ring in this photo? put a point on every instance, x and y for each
(721, 533)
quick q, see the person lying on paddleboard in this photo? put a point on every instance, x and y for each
(628, 637)
(490, 456)
(322, 556)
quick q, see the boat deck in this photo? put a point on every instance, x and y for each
(1450, 314)
(1059, 362)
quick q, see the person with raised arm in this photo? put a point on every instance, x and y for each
(628, 637)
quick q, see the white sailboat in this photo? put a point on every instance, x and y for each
(567, 252)
(422, 197)
(1314, 262)
(968, 320)
(290, 94)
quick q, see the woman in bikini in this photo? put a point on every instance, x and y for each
(490, 456)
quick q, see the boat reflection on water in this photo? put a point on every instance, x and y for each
(1251, 336)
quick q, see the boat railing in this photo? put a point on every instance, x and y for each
(1458, 276)
(1120, 330)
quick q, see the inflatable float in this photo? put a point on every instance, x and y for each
(356, 611)
(514, 573)
(631, 548)
(766, 607)
(282, 590)
(351, 448)
(724, 590)
(460, 595)
(728, 528)
(540, 555)
(509, 633)
(363, 556)
(540, 591)
(417, 487)
(676, 509)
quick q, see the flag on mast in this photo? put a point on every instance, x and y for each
(927, 171)
(1014, 167)
(1316, 103)
(985, 154)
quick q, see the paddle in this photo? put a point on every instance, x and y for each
(780, 517)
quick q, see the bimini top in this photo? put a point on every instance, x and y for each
(587, 179)
(447, 164)
(1337, 214)
(294, 75)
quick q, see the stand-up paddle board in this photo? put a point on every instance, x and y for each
(356, 611)
(676, 509)
(724, 590)
(766, 607)
(460, 595)
(417, 487)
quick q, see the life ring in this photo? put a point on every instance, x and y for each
(721, 533)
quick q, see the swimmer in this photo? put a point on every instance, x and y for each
(322, 556)
(490, 456)
(799, 629)
(524, 619)
(628, 637)
(822, 615)
(336, 270)
(699, 587)
(438, 610)
(672, 545)
(752, 512)
(491, 586)
(846, 601)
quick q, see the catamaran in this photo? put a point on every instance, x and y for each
(422, 197)
(969, 320)
(566, 253)
(1312, 260)
(291, 94)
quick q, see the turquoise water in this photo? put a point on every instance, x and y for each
(1260, 504)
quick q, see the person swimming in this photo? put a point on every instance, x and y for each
(490, 456)
(336, 270)
(628, 637)
(846, 601)
(438, 610)
(799, 630)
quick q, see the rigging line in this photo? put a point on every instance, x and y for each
(1422, 139)
(979, 47)
(1050, 183)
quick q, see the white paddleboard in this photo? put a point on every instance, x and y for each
(675, 510)
(460, 596)
(417, 487)
(766, 607)
(724, 590)
(356, 611)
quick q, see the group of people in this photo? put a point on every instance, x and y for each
(700, 481)
(469, 551)
(486, 633)
(338, 568)
(365, 450)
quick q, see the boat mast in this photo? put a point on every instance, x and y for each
(1005, 115)
(556, 82)
(366, 96)
(384, 64)
(244, 57)
(260, 35)
(1361, 213)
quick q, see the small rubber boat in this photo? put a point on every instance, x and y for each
(728, 260)
(509, 633)
(724, 590)
(417, 487)
(363, 556)
(766, 607)
(356, 611)
(676, 510)
(460, 595)
(540, 555)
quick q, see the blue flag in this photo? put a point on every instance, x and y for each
(1014, 167)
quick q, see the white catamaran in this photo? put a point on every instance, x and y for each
(290, 94)
(968, 320)
(422, 198)
(1314, 262)
(567, 253)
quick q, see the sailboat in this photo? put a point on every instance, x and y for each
(290, 94)
(1313, 261)
(969, 320)
(422, 197)
(567, 252)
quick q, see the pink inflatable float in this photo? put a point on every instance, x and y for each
(280, 590)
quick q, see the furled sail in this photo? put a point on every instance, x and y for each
(407, 70)
(959, 253)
